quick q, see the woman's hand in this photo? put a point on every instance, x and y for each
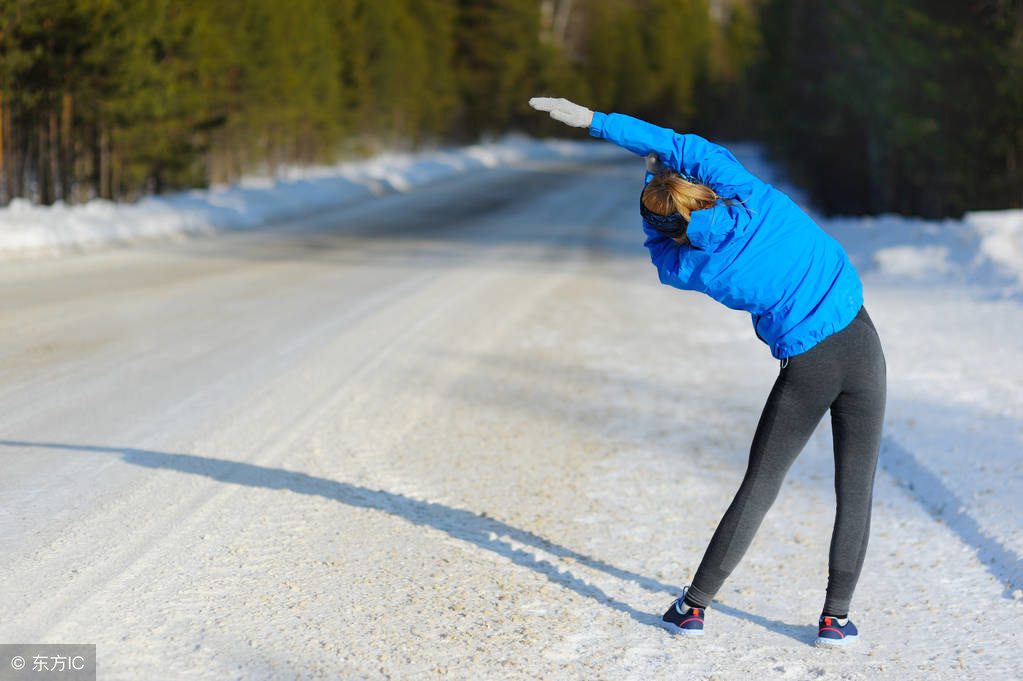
(563, 110)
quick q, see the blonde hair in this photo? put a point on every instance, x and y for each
(669, 192)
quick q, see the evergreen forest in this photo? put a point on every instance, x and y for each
(908, 106)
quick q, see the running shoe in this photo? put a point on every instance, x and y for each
(682, 619)
(831, 632)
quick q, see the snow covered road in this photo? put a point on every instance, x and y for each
(462, 432)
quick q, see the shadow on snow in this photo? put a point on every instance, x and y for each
(476, 528)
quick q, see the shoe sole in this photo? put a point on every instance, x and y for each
(679, 631)
(835, 642)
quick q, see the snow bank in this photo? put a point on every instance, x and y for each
(32, 231)
(983, 248)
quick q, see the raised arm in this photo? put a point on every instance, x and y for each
(712, 164)
(691, 154)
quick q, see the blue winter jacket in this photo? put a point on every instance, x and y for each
(764, 256)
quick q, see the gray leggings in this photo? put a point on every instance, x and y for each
(845, 373)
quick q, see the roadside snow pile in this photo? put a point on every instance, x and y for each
(983, 249)
(31, 231)
(1001, 238)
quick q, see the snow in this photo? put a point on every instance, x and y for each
(31, 231)
(488, 446)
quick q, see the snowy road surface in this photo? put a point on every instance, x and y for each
(463, 433)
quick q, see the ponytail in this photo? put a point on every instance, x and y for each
(668, 194)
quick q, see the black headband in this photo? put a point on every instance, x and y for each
(662, 223)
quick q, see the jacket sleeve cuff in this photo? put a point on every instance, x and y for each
(597, 124)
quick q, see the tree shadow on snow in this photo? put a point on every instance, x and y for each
(476, 528)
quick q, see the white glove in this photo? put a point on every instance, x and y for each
(563, 110)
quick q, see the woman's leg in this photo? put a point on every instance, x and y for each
(801, 395)
(857, 417)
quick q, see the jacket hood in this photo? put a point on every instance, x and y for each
(711, 229)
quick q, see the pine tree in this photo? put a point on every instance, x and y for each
(497, 62)
(111, 99)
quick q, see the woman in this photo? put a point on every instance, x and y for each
(711, 226)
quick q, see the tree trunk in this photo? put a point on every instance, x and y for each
(54, 161)
(67, 160)
(44, 188)
(82, 150)
(3, 165)
(562, 15)
(116, 191)
(104, 163)
(19, 158)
